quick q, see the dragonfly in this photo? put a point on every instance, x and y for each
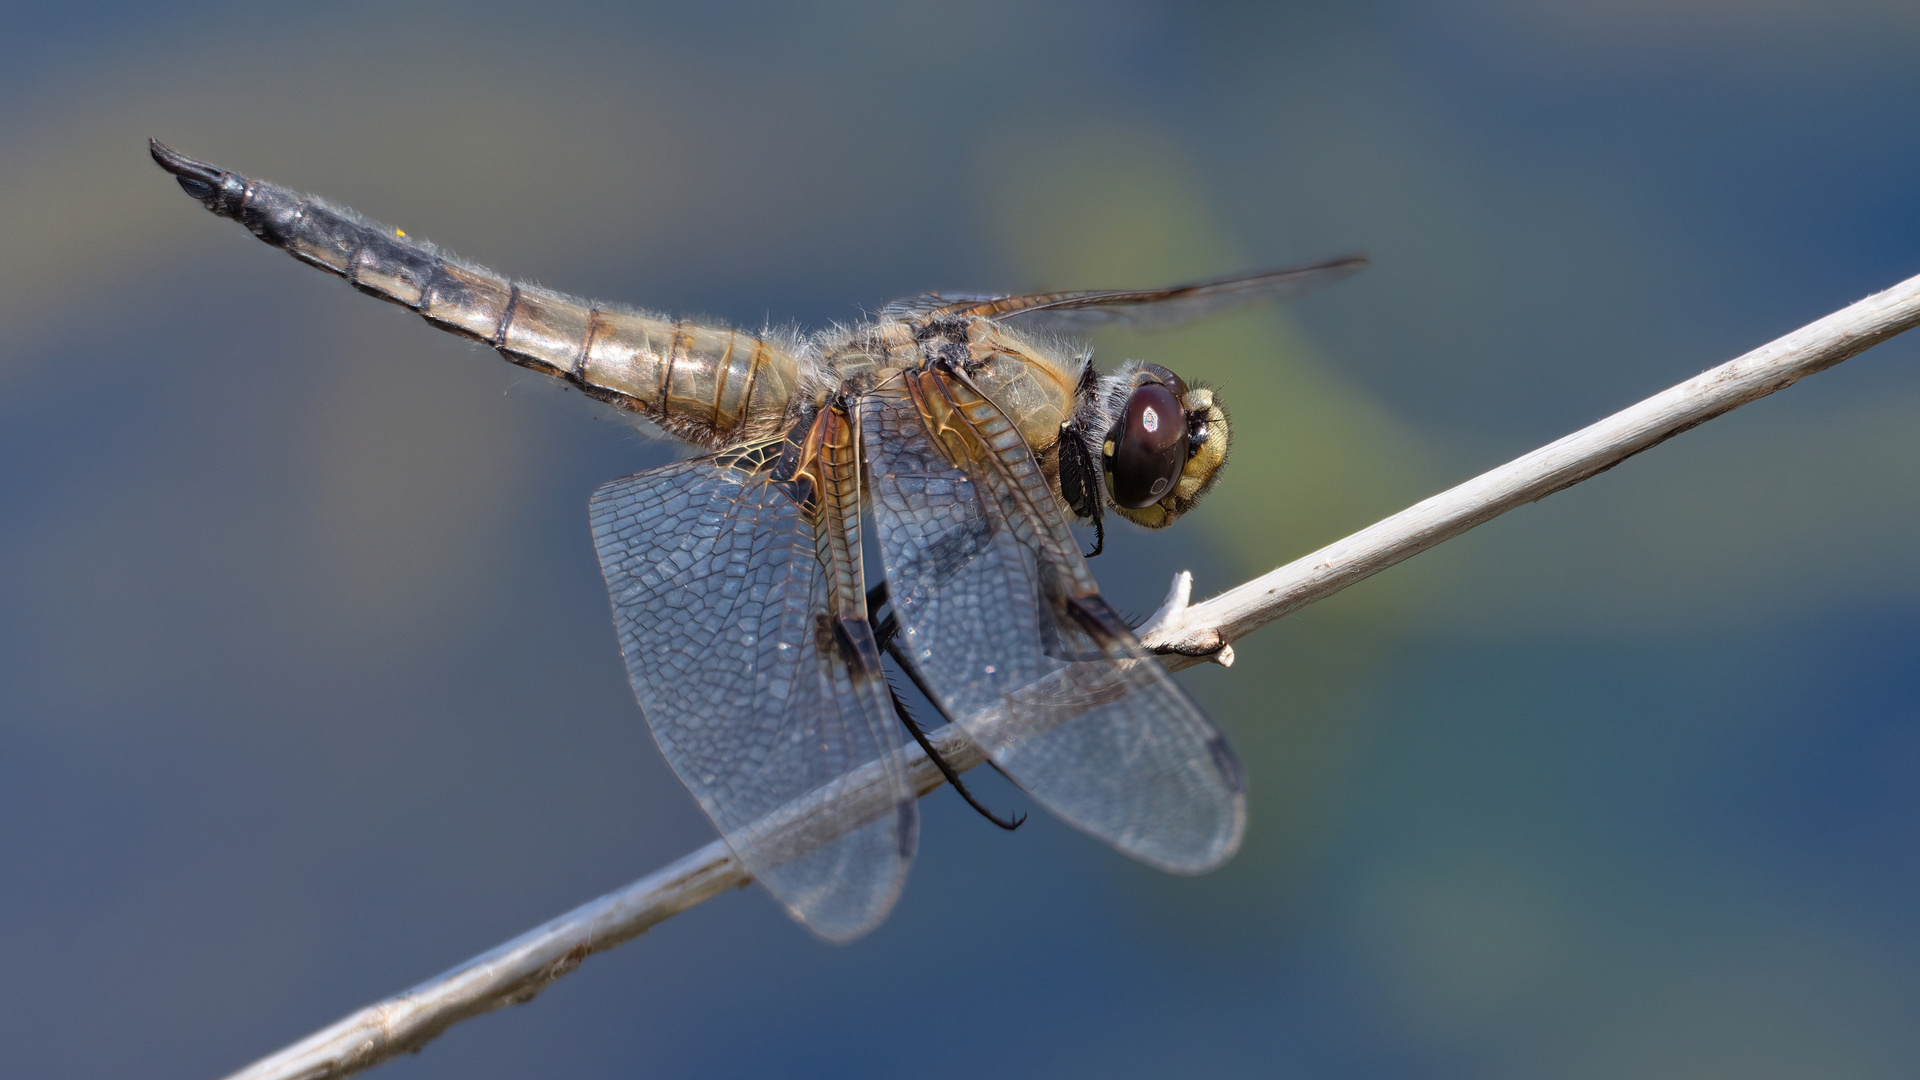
(971, 431)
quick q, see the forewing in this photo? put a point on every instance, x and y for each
(1001, 616)
(720, 602)
(1080, 312)
(919, 307)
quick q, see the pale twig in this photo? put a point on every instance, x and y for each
(1185, 634)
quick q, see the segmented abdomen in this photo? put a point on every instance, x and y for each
(711, 386)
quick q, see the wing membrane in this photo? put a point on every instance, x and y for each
(1000, 614)
(1079, 312)
(723, 608)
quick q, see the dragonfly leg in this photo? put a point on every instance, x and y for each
(885, 631)
(1080, 474)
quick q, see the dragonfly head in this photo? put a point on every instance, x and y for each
(1165, 447)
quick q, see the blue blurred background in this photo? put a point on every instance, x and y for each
(308, 689)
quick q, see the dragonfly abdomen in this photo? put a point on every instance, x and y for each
(712, 386)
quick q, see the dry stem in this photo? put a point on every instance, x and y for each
(1184, 633)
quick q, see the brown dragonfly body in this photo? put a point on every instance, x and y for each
(970, 434)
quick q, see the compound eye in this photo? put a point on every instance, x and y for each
(1147, 449)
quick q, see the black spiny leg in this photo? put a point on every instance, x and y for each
(1080, 470)
(885, 631)
(1080, 480)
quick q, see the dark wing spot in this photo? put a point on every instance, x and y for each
(853, 640)
(949, 553)
(1227, 762)
(1099, 620)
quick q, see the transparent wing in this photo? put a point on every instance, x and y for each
(720, 603)
(1000, 614)
(1079, 312)
(918, 307)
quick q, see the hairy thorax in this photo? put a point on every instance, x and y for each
(1031, 383)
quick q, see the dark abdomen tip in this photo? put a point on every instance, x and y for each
(197, 178)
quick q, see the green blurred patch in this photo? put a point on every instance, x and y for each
(1313, 459)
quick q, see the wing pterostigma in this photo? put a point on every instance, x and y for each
(724, 596)
(1002, 617)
